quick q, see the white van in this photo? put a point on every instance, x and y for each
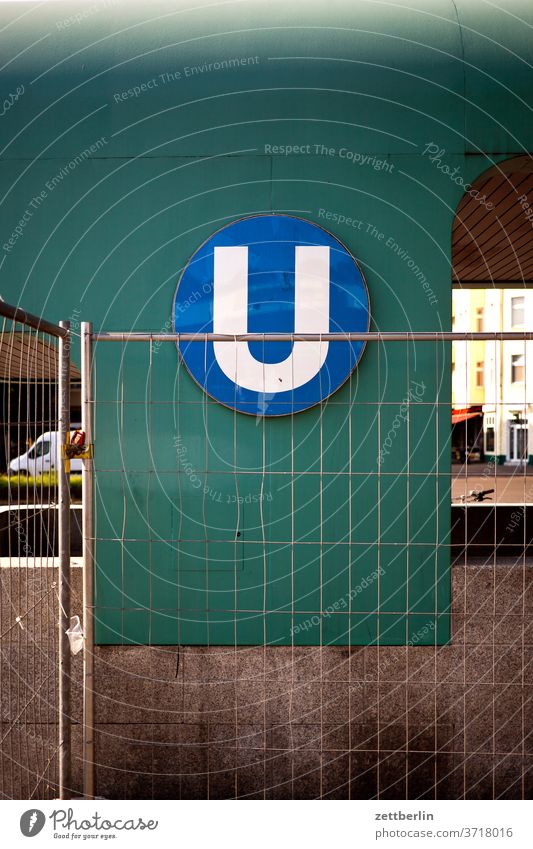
(42, 457)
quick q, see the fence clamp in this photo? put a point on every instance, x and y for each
(75, 447)
(86, 453)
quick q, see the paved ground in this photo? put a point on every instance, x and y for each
(512, 484)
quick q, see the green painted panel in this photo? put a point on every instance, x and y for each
(140, 132)
(226, 535)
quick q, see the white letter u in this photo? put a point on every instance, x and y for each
(311, 315)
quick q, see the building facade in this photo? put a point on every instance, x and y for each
(492, 389)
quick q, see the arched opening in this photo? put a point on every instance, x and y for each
(492, 242)
(492, 280)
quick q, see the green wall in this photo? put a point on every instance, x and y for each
(130, 184)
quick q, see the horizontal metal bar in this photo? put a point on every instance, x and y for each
(407, 336)
(23, 317)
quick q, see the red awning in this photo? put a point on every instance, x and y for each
(463, 415)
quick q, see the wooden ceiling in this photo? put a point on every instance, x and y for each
(29, 357)
(496, 244)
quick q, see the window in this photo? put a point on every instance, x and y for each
(42, 448)
(517, 312)
(489, 439)
(479, 320)
(480, 373)
(518, 368)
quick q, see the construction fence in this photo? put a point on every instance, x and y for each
(305, 606)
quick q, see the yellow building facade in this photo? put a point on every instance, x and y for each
(494, 376)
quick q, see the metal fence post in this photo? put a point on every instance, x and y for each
(65, 747)
(88, 566)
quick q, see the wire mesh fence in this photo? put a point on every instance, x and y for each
(34, 737)
(314, 606)
(275, 610)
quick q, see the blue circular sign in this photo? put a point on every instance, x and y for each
(271, 274)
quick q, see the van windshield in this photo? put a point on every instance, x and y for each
(40, 449)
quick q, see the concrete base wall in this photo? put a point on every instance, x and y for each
(394, 722)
